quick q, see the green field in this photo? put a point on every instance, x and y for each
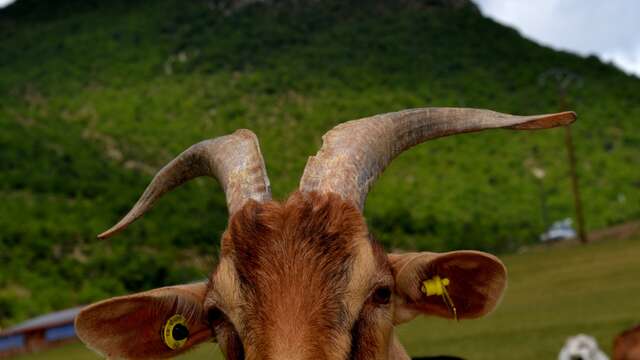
(553, 293)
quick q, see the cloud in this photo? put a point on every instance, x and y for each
(609, 29)
(628, 61)
(4, 3)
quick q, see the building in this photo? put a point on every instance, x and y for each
(39, 333)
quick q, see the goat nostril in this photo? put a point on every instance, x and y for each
(180, 332)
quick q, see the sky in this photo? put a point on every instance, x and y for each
(609, 29)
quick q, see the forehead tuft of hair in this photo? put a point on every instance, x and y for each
(306, 221)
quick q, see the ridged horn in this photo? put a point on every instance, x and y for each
(234, 160)
(355, 153)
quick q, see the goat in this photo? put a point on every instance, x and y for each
(626, 345)
(303, 278)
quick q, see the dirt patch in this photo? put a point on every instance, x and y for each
(622, 231)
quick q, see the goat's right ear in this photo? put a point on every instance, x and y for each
(476, 282)
(133, 326)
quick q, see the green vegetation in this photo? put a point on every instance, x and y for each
(553, 293)
(96, 96)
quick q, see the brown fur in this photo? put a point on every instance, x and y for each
(626, 345)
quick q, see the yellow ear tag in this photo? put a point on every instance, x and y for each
(175, 332)
(438, 287)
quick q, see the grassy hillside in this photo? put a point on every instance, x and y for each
(96, 96)
(552, 294)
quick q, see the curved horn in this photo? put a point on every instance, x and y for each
(355, 153)
(235, 160)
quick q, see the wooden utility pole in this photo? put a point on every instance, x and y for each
(575, 184)
(563, 80)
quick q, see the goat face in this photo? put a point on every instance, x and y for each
(302, 279)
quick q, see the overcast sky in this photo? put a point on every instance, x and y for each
(609, 29)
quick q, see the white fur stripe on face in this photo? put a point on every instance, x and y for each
(226, 292)
(363, 271)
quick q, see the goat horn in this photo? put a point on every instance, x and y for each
(355, 153)
(235, 160)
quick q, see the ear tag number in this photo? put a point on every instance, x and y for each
(175, 332)
(437, 286)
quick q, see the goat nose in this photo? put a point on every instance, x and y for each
(576, 357)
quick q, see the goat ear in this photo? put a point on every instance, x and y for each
(132, 326)
(476, 283)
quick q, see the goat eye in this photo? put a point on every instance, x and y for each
(214, 316)
(382, 296)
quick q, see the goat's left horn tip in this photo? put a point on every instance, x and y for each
(106, 234)
(559, 119)
(546, 121)
(571, 115)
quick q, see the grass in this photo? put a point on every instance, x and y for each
(553, 293)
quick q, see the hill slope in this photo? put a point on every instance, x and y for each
(96, 96)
